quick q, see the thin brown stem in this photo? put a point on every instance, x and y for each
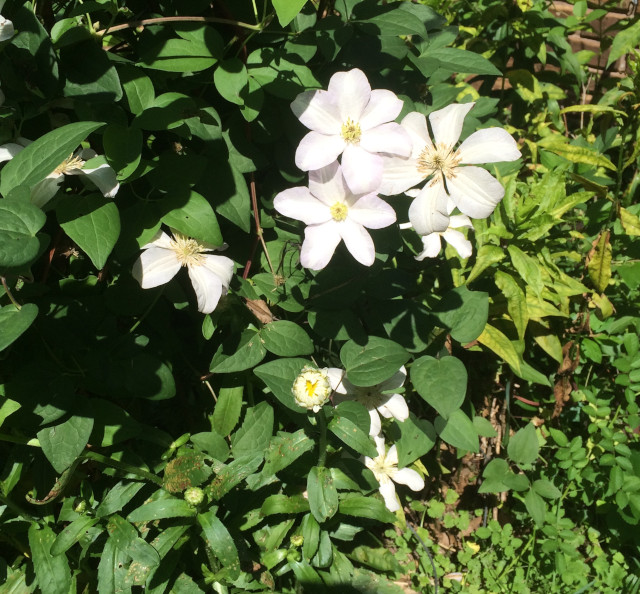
(178, 19)
(8, 291)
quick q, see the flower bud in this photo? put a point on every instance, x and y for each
(311, 389)
(194, 496)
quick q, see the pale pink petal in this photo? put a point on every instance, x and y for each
(358, 241)
(388, 492)
(389, 138)
(208, 287)
(375, 426)
(475, 191)
(317, 150)
(320, 241)
(155, 266)
(46, 189)
(409, 477)
(383, 107)
(459, 242)
(372, 212)
(9, 151)
(398, 175)
(298, 203)
(447, 123)
(428, 212)
(318, 111)
(489, 146)
(221, 266)
(415, 124)
(328, 185)
(351, 92)
(431, 244)
(336, 380)
(362, 170)
(392, 455)
(396, 407)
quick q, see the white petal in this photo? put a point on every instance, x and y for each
(457, 221)
(489, 146)
(328, 185)
(379, 441)
(9, 151)
(46, 189)
(160, 239)
(336, 378)
(298, 203)
(104, 178)
(415, 124)
(358, 241)
(428, 212)
(460, 243)
(351, 91)
(317, 150)
(383, 107)
(320, 241)
(431, 245)
(475, 191)
(409, 477)
(318, 111)
(362, 170)
(396, 407)
(388, 492)
(221, 266)
(155, 266)
(398, 175)
(447, 123)
(375, 426)
(6, 29)
(208, 287)
(372, 212)
(392, 455)
(390, 138)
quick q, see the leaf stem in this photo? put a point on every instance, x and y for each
(322, 441)
(178, 19)
(146, 313)
(8, 291)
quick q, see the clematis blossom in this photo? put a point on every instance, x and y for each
(163, 257)
(432, 243)
(385, 469)
(6, 26)
(380, 399)
(351, 120)
(472, 189)
(333, 213)
(102, 175)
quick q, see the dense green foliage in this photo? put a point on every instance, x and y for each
(146, 444)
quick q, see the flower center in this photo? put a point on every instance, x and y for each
(311, 389)
(69, 164)
(339, 211)
(351, 131)
(383, 469)
(370, 399)
(188, 251)
(439, 158)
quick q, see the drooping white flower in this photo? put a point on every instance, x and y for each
(432, 243)
(380, 399)
(6, 26)
(102, 175)
(312, 388)
(333, 213)
(163, 257)
(472, 189)
(385, 469)
(351, 120)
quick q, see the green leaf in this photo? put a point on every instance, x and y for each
(138, 89)
(284, 449)
(126, 539)
(528, 268)
(348, 432)
(249, 353)
(557, 143)
(393, 22)
(516, 300)
(220, 542)
(160, 509)
(464, 313)
(624, 42)
(417, 438)
(322, 493)
(282, 504)
(380, 559)
(484, 427)
(72, 533)
(14, 322)
(7, 407)
(232, 474)
(441, 382)
(366, 507)
(226, 413)
(287, 10)
(187, 470)
(495, 340)
(112, 569)
(122, 149)
(286, 339)
(311, 535)
(93, 222)
(117, 498)
(256, 430)
(200, 52)
(458, 430)
(231, 78)
(630, 222)
(19, 223)
(523, 447)
(459, 60)
(63, 443)
(494, 476)
(196, 219)
(52, 571)
(535, 506)
(486, 256)
(600, 263)
(211, 443)
(279, 376)
(374, 362)
(546, 489)
(42, 156)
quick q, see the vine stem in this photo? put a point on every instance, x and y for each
(178, 19)
(322, 442)
(9, 294)
(146, 313)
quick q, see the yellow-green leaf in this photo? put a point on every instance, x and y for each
(495, 340)
(487, 255)
(600, 263)
(630, 222)
(576, 154)
(516, 302)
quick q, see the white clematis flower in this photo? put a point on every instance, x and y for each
(378, 400)
(472, 189)
(163, 257)
(6, 26)
(351, 120)
(432, 243)
(102, 176)
(385, 469)
(333, 213)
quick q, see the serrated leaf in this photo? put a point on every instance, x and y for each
(441, 382)
(600, 263)
(14, 322)
(63, 443)
(286, 339)
(19, 223)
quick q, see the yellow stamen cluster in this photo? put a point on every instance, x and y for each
(339, 211)
(69, 164)
(351, 131)
(188, 251)
(440, 158)
(311, 389)
(382, 469)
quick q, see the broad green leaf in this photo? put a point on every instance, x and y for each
(380, 558)
(255, 432)
(14, 322)
(220, 542)
(117, 498)
(322, 493)
(516, 301)
(523, 447)
(279, 376)
(286, 339)
(196, 219)
(459, 60)
(112, 569)
(184, 55)
(441, 382)
(551, 344)
(160, 509)
(72, 533)
(494, 476)
(546, 489)
(366, 507)
(556, 143)
(528, 268)
(464, 313)
(282, 504)
(458, 430)
(138, 89)
(535, 506)
(122, 149)
(7, 407)
(495, 340)
(236, 206)
(356, 412)
(52, 571)
(211, 443)
(417, 437)
(486, 256)
(248, 354)
(630, 222)
(126, 539)
(231, 78)
(374, 362)
(187, 470)
(484, 427)
(63, 443)
(389, 21)
(285, 448)
(93, 222)
(232, 474)
(348, 432)
(311, 535)
(19, 223)
(287, 10)
(226, 413)
(42, 156)
(624, 41)
(600, 263)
